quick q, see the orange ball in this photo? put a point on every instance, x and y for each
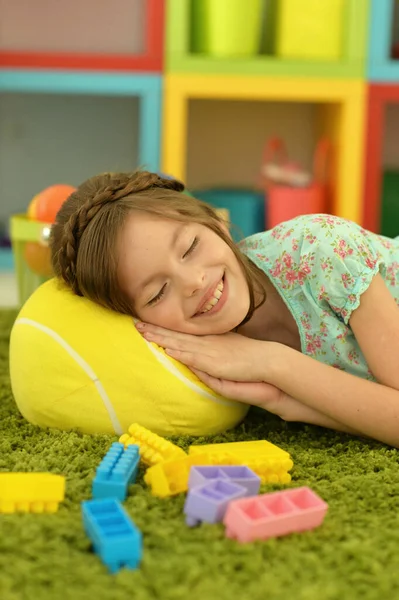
(46, 204)
(38, 258)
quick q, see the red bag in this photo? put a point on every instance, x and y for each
(305, 195)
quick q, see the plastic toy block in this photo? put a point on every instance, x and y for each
(171, 477)
(208, 503)
(241, 475)
(116, 471)
(268, 461)
(153, 448)
(115, 537)
(274, 515)
(31, 492)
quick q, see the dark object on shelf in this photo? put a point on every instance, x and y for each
(390, 204)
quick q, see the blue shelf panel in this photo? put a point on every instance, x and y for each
(381, 68)
(147, 87)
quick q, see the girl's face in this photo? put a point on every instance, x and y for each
(181, 276)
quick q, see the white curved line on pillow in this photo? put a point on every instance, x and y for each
(83, 364)
(164, 360)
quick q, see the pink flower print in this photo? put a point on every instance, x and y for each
(352, 298)
(311, 238)
(322, 294)
(295, 245)
(276, 233)
(291, 276)
(386, 243)
(342, 312)
(329, 219)
(343, 250)
(323, 328)
(371, 262)
(288, 233)
(337, 366)
(287, 259)
(305, 322)
(278, 269)
(313, 343)
(347, 280)
(353, 357)
(391, 273)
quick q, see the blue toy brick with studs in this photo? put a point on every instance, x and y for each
(116, 472)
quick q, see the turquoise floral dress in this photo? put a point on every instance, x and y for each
(320, 265)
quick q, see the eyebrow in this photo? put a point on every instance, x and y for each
(173, 242)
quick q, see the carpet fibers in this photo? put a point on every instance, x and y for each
(353, 555)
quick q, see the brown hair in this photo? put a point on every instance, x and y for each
(83, 238)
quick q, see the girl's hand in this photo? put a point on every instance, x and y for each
(228, 356)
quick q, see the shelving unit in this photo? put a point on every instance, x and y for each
(180, 58)
(127, 87)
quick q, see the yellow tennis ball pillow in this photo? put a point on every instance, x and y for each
(77, 365)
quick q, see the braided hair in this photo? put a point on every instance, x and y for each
(84, 205)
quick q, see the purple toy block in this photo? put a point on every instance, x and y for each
(208, 503)
(241, 475)
(275, 514)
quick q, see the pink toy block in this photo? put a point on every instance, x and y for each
(274, 515)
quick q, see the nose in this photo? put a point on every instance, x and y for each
(193, 281)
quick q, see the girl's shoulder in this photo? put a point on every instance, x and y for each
(326, 233)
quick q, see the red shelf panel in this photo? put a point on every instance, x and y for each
(379, 96)
(151, 60)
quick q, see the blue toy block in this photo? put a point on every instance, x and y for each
(116, 471)
(241, 475)
(246, 208)
(115, 538)
(208, 503)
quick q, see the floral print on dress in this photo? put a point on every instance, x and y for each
(321, 265)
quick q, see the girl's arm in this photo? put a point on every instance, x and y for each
(368, 407)
(372, 409)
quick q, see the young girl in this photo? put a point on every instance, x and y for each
(301, 320)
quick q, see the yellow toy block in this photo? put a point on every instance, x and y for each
(268, 461)
(153, 448)
(31, 492)
(171, 477)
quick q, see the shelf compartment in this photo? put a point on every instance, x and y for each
(40, 42)
(384, 16)
(381, 99)
(340, 106)
(181, 58)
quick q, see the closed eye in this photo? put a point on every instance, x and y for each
(192, 247)
(158, 297)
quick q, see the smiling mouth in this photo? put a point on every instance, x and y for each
(213, 300)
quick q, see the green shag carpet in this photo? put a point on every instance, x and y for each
(353, 555)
